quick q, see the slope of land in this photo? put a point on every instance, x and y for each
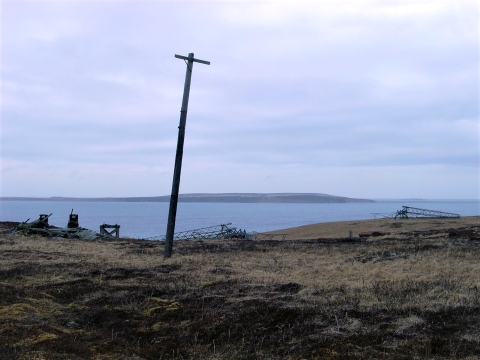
(378, 227)
(403, 296)
(218, 198)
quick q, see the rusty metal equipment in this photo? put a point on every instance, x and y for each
(410, 212)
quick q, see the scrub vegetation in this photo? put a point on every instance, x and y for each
(397, 296)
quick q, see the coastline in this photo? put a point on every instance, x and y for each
(341, 229)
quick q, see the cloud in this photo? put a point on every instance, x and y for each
(358, 86)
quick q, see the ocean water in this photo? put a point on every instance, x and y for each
(148, 219)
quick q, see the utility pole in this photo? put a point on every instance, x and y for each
(172, 213)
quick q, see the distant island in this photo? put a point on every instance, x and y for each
(215, 198)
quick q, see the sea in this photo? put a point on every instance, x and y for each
(143, 220)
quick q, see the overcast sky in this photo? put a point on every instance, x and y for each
(370, 99)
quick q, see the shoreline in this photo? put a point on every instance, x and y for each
(341, 229)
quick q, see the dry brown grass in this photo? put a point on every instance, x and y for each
(395, 227)
(415, 294)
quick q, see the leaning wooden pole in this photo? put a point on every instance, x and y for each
(172, 212)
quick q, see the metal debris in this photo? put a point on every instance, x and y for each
(222, 231)
(267, 236)
(72, 231)
(115, 231)
(411, 212)
(73, 220)
(384, 215)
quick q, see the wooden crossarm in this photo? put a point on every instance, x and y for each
(192, 59)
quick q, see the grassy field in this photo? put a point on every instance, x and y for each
(413, 293)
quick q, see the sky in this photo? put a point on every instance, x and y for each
(366, 99)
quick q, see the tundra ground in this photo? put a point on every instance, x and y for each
(398, 296)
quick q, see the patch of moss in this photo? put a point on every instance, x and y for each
(17, 311)
(160, 326)
(44, 309)
(76, 307)
(36, 339)
(161, 306)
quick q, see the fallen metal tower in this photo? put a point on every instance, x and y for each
(411, 212)
(222, 231)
